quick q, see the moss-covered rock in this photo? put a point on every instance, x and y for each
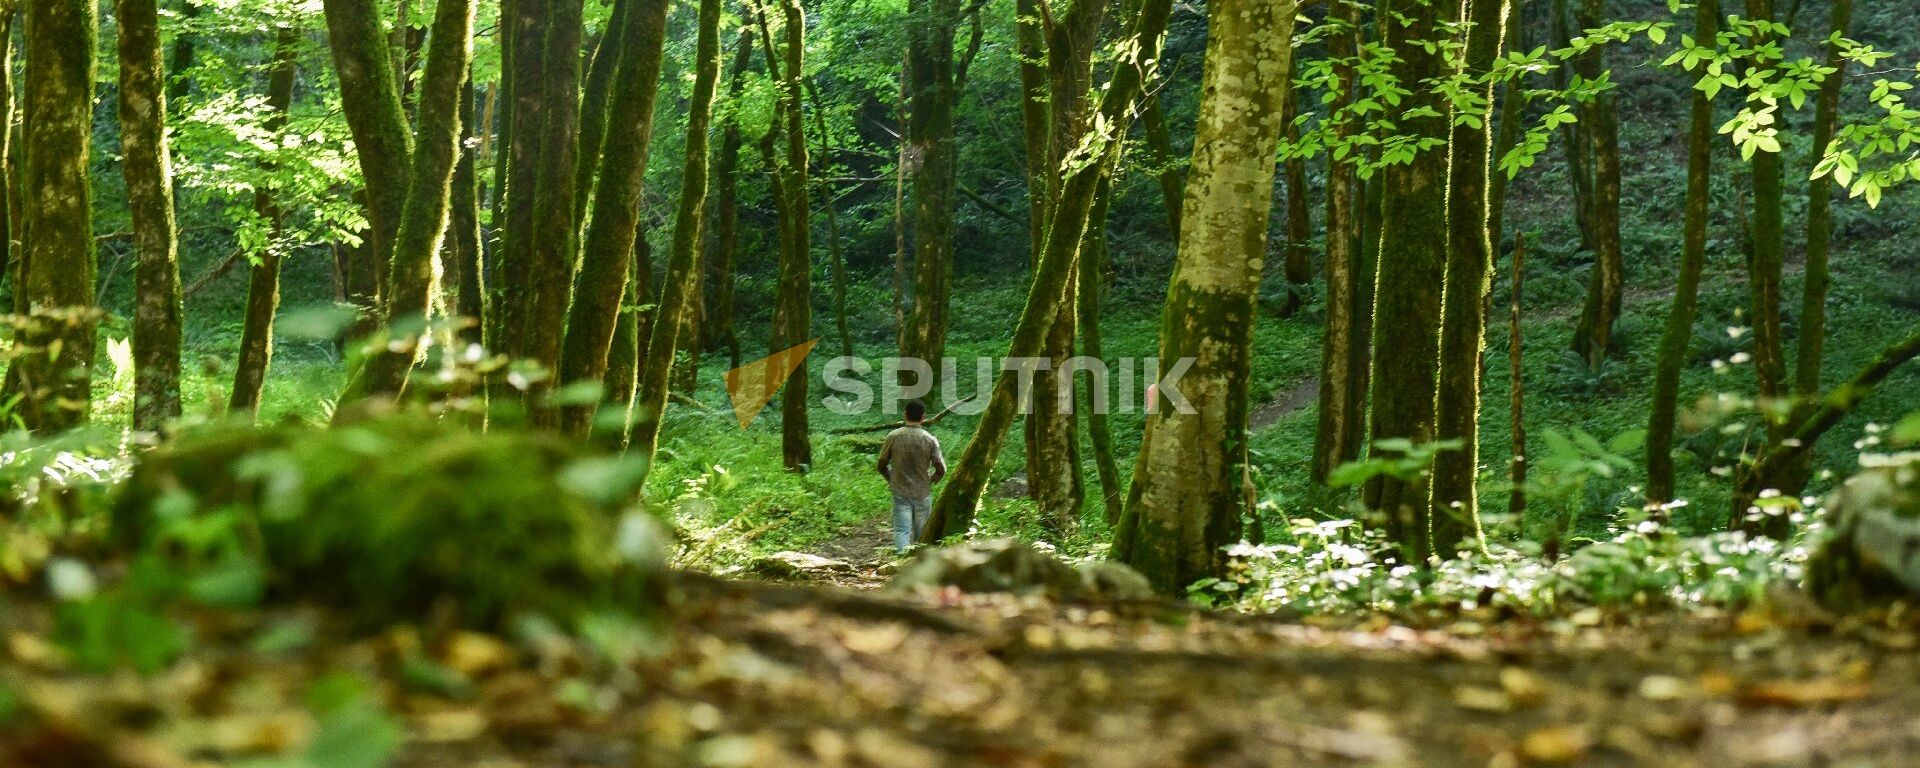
(1872, 553)
(388, 518)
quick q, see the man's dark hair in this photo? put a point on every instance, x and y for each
(916, 410)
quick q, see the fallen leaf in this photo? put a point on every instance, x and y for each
(1804, 693)
(1555, 745)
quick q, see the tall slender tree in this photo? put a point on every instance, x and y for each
(1593, 336)
(149, 175)
(263, 277)
(793, 313)
(423, 225)
(1066, 230)
(683, 265)
(370, 99)
(1686, 292)
(552, 255)
(931, 156)
(54, 349)
(1765, 265)
(1343, 364)
(1191, 486)
(1411, 278)
(613, 224)
(726, 239)
(1470, 257)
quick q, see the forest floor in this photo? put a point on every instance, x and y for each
(761, 673)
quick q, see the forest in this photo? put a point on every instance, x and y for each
(1250, 382)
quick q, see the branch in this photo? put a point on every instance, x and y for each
(898, 424)
(212, 274)
(1838, 403)
(991, 207)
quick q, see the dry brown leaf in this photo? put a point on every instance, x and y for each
(1555, 745)
(1804, 693)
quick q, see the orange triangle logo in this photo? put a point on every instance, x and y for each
(753, 385)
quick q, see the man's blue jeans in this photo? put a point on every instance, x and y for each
(909, 516)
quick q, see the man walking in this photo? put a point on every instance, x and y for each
(910, 460)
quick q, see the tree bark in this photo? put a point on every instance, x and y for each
(1408, 304)
(794, 311)
(524, 25)
(1168, 171)
(1092, 277)
(1053, 446)
(1470, 256)
(1593, 336)
(465, 257)
(149, 176)
(684, 264)
(1296, 264)
(931, 155)
(1191, 486)
(953, 513)
(371, 101)
(1765, 267)
(1693, 258)
(594, 105)
(554, 251)
(263, 278)
(838, 259)
(423, 227)
(1516, 385)
(613, 226)
(1343, 393)
(54, 350)
(726, 242)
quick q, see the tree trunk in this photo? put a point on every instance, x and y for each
(149, 175)
(11, 256)
(183, 54)
(630, 336)
(930, 154)
(1769, 355)
(551, 264)
(1516, 385)
(465, 262)
(794, 311)
(839, 262)
(1053, 446)
(53, 361)
(1813, 297)
(1093, 399)
(371, 101)
(429, 189)
(1412, 275)
(726, 241)
(263, 279)
(1686, 292)
(613, 226)
(1296, 264)
(1191, 486)
(1574, 140)
(1343, 394)
(1593, 337)
(524, 25)
(1168, 172)
(1470, 255)
(684, 264)
(953, 513)
(594, 105)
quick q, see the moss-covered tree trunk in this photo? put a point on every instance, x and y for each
(149, 175)
(1593, 335)
(1470, 256)
(683, 265)
(931, 158)
(53, 349)
(382, 143)
(464, 264)
(1579, 150)
(794, 311)
(1410, 283)
(523, 25)
(630, 335)
(1190, 485)
(1693, 258)
(1296, 264)
(1067, 224)
(423, 226)
(1169, 173)
(1765, 266)
(263, 278)
(594, 100)
(10, 255)
(1092, 277)
(554, 250)
(1516, 385)
(1813, 297)
(1343, 394)
(1052, 442)
(726, 241)
(613, 224)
